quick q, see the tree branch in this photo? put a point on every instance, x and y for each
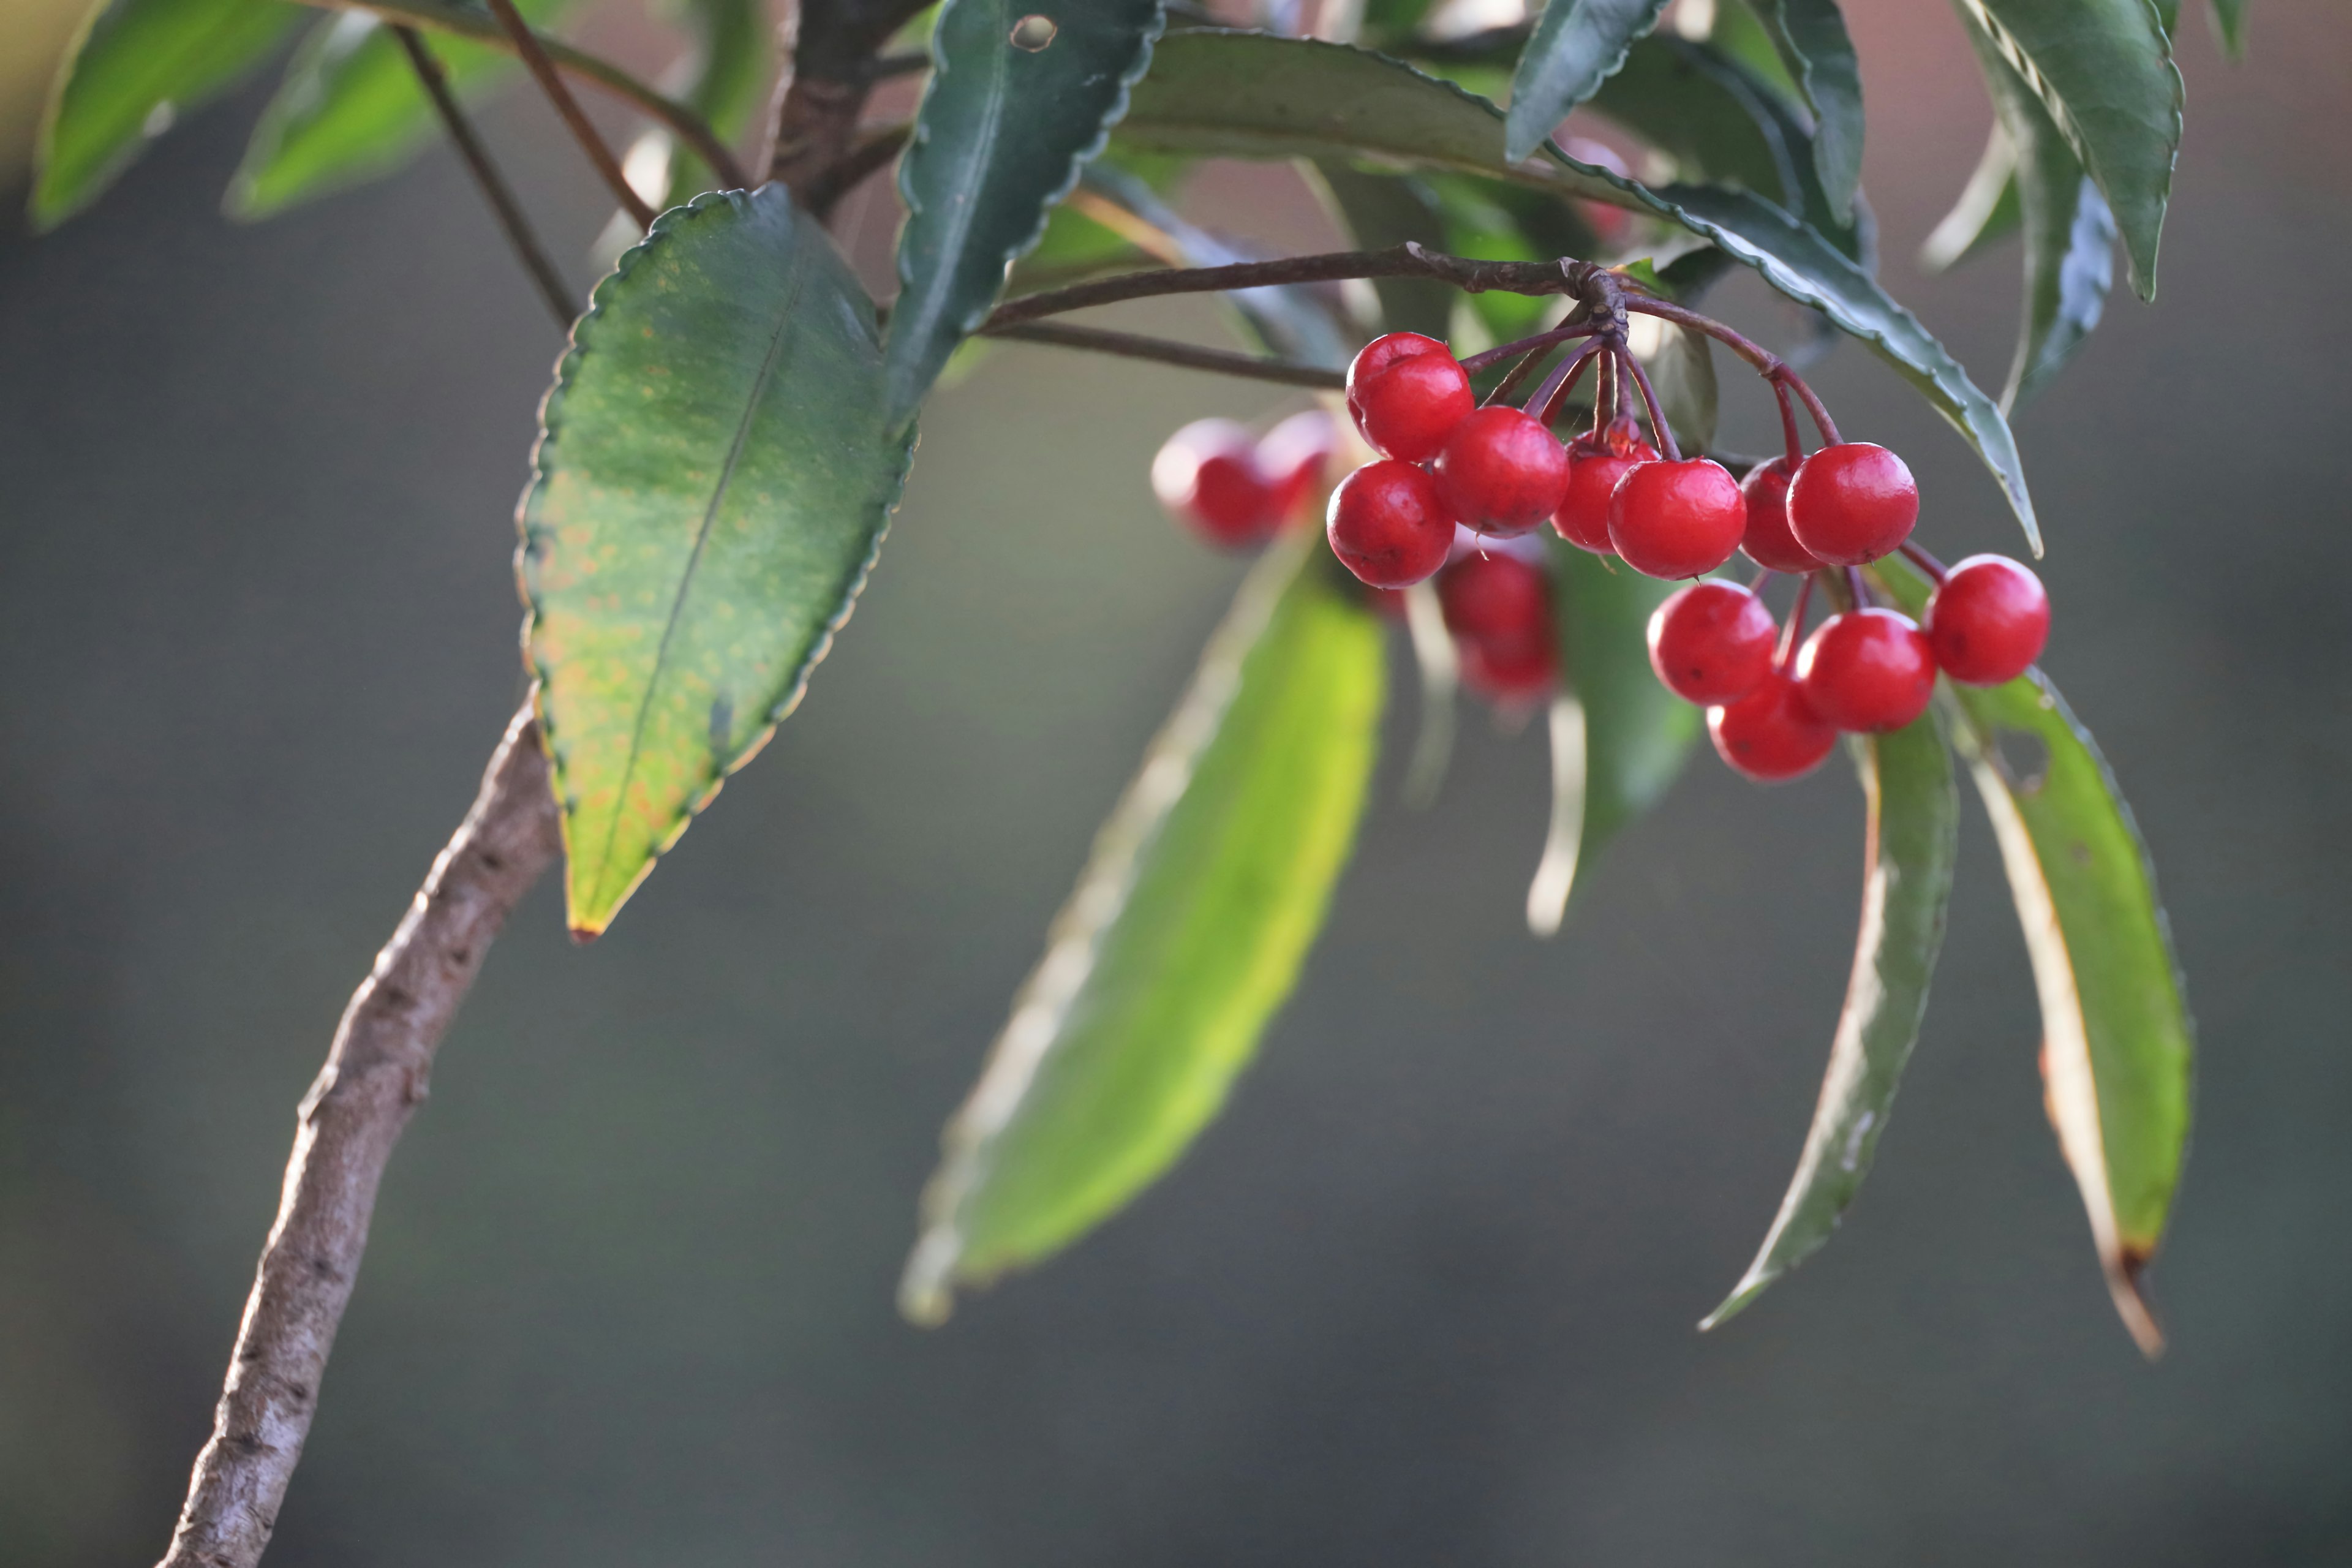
(375, 1079)
(1131, 345)
(567, 108)
(832, 70)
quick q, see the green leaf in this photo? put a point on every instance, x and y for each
(2104, 70)
(712, 481)
(1738, 32)
(350, 110)
(1713, 118)
(2230, 26)
(1076, 244)
(1911, 833)
(135, 68)
(1577, 44)
(1252, 96)
(1682, 373)
(1186, 933)
(1005, 125)
(1810, 37)
(1382, 210)
(2069, 235)
(729, 68)
(2117, 1054)
(1989, 210)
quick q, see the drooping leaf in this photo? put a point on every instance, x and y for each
(1576, 45)
(1989, 210)
(711, 484)
(1911, 837)
(1186, 933)
(1682, 373)
(1252, 96)
(1013, 109)
(350, 109)
(134, 69)
(1383, 210)
(2119, 1049)
(2104, 70)
(1812, 39)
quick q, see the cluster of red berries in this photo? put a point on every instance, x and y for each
(1236, 490)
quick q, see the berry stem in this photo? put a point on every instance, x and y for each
(1134, 346)
(1506, 388)
(1789, 432)
(1796, 627)
(1660, 430)
(1855, 586)
(1767, 364)
(1924, 561)
(1544, 407)
(1552, 339)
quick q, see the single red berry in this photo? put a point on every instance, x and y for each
(1852, 504)
(1987, 621)
(1207, 475)
(1868, 670)
(1771, 734)
(1495, 599)
(1711, 642)
(1407, 394)
(1296, 456)
(1768, 541)
(1387, 525)
(1514, 672)
(1595, 464)
(1676, 519)
(1501, 472)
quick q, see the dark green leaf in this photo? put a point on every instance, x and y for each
(350, 110)
(1004, 126)
(2117, 1054)
(1388, 24)
(1076, 244)
(1249, 95)
(2104, 70)
(1715, 121)
(713, 480)
(1912, 833)
(1989, 210)
(136, 67)
(1383, 210)
(1738, 32)
(1810, 37)
(1577, 44)
(2230, 26)
(1186, 933)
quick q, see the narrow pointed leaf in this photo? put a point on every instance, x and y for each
(1008, 118)
(350, 110)
(2230, 26)
(711, 484)
(1812, 40)
(135, 70)
(1186, 933)
(1911, 837)
(2104, 70)
(1252, 96)
(1988, 212)
(1576, 45)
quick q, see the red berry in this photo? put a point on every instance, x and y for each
(1987, 621)
(1852, 504)
(1501, 472)
(1295, 456)
(1711, 642)
(1387, 525)
(1768, 540)
(1207, 475)
(1495, 599)
(1771, 734)
(1595, 464)
(1676, 519)
(1407, 394)
(1868, 670)
(1514, 674)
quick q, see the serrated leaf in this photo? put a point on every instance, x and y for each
(1911, 835)
(136, 67)
(1077, 244)
(1737, 31)
(1003, 130)
(711, 484)
(1811, 38)
(1989, 210)
(1185, 934)
(2118, 1047)
(350, 110)
(2104, 70)
(1576, 45)
(1252, 96)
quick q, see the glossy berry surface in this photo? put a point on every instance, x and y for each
(1868, 670)
(1501, 472)
(1768, 541)
(1676, 519)
(1771, 733)
(1595, 464)
(1207, 475)
(1988, 621)
(1711, 642)
(1407, 394)
(1296, 456)
(1852, 504)
(1387, 526)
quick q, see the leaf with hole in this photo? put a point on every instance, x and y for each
(1017, 102)
(1911, 834)
(1576, 45)
(136, 67)
(1811, 38)
(1186, 932)
(711, 484)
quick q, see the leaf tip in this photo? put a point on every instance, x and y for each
(926, 1289)
(2122, 1273)
(1750, 1287)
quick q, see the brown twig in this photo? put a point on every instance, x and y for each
(866, 156)
(512, 221)
(1131, 345)
(832, 70)
(567, 108)
(375, 1079)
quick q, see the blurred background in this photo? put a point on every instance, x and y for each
(1426, 1292)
